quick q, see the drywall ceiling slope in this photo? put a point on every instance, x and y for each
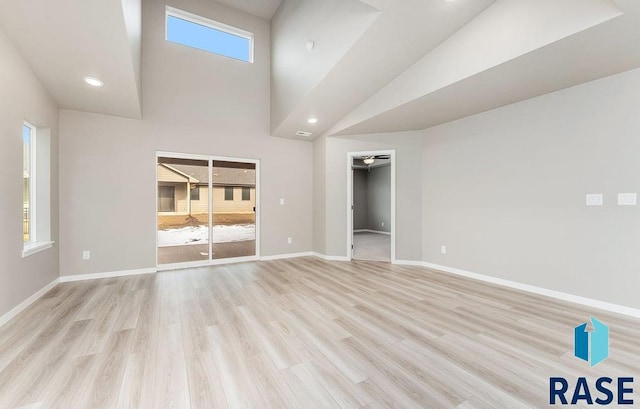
(132, 11)
(402, 32)
(581, 58)
(65, 40)
(260, 8)
(332, 25)
(514, 51)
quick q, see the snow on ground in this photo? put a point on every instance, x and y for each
(200, 235)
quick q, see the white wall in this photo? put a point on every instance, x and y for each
(194, 102)
(22, 97)
(320, 195)
(505, 191)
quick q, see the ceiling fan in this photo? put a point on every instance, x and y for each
(368, 160)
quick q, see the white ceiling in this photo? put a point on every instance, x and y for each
(583, 57)
(295, 71)
(377, 65)
(515, 50)
(385, 38)
(65, 40)
(422, 63)
(261, 8)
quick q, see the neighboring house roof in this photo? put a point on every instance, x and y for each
(221, 176)
(234, 177)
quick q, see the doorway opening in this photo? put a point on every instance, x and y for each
(371, 206)
(207, 210)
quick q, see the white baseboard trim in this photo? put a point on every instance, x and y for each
(372, 231)
(26, 303)
(331, 258)
(285, 256)
(409, 263)
(205, 263)
(589, 302)
(95, 276)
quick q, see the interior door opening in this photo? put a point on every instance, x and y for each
(207, 209)
(371, 233)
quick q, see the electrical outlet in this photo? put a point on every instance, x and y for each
(443, 249)
(289, 240)
(382, 224)
(281, 202)
(595, 199)
(627, 199)
(86, 255)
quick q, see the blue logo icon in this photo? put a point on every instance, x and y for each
(592, 347)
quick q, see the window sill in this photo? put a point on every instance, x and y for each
(33, 248)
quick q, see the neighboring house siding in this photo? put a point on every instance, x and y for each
(166, 175)
(219, 204)
(169, 177)
(237, 205)
(202, 205)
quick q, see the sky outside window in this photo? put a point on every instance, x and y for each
(208, 39)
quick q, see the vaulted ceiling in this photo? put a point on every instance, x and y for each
(261, 8)
(358, 66)
(416, 64)
(66, 40)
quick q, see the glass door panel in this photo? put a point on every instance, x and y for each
(234, 209)
(183, 210)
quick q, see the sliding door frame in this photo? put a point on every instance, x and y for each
(210, 159)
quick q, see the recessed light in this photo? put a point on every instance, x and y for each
(312, 120)
(310, 45)
(94, 82)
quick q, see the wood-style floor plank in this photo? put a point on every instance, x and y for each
(299, 333)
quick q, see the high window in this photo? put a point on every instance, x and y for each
(28, 185)
(208, 35)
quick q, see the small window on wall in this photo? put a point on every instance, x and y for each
(28, 183)
(208, 35)
(36, 190)
(246, 193)
(195, 192)
(228, 193)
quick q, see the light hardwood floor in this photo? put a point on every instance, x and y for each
(301, 333)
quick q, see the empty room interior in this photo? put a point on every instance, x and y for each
(319, 204)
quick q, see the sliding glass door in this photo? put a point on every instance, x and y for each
(206, 209)
(234, 209)
(183, 210)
